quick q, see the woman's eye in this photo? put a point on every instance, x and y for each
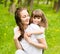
(24, 16)
(28, 15)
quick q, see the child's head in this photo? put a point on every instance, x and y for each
(38, 17)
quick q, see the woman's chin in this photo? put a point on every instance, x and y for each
(27, 23)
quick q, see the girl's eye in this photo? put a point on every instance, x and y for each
(35, 17)
(38, 17)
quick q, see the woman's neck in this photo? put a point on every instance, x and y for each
(25, 26)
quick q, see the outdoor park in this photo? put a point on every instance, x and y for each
(51, 9)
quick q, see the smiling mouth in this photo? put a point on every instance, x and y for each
(27, 20)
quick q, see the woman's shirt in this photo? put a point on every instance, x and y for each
(26, 46)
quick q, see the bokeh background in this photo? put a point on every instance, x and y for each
(51, 9)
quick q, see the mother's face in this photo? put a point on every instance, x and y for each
(25, 17)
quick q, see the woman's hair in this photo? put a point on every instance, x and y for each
(39, 14)
(19, 22)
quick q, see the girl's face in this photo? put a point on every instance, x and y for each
(24, 17)
(37, 20)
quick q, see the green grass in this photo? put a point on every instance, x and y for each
(7, 24)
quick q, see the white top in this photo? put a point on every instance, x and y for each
(26, 46)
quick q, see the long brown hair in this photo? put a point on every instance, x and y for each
(19, 22)
(39, 13)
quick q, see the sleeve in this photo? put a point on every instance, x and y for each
(40, 36)
(16, 31)
(34, 27)
(42, 29)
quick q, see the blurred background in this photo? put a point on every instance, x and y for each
(51, 9)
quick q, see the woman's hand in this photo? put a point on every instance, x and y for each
(27, 38)
(29, 33)
(17, 33)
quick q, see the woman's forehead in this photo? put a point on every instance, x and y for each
(23, 12)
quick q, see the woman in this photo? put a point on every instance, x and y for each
(22, 19)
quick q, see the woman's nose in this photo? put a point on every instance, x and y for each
(28, 17)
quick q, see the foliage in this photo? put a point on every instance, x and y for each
(7, 24)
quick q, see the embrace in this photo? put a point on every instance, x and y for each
(29, 34)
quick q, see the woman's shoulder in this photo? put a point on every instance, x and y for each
(16, 28)
(17, 32)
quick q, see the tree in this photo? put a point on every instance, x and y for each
(19, 3)
(1, 1)
(56, 5)
(47, 2)
(5, 3)
(38, 1)
(12, 6)
(28, 3)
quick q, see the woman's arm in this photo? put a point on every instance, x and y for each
(42, 42)
(17, 43)
(16, 35)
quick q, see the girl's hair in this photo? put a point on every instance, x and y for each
(19, 22)
(39, 13)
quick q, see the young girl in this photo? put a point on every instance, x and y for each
(35, 33)
(38, 18)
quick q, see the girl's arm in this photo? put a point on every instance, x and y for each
(41, 31)
(16, 35)
(42, 42)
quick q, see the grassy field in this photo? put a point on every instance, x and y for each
(7, 24)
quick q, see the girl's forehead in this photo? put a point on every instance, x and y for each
(36, 15)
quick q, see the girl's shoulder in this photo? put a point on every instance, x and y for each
(34, 25)
(42, 27)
